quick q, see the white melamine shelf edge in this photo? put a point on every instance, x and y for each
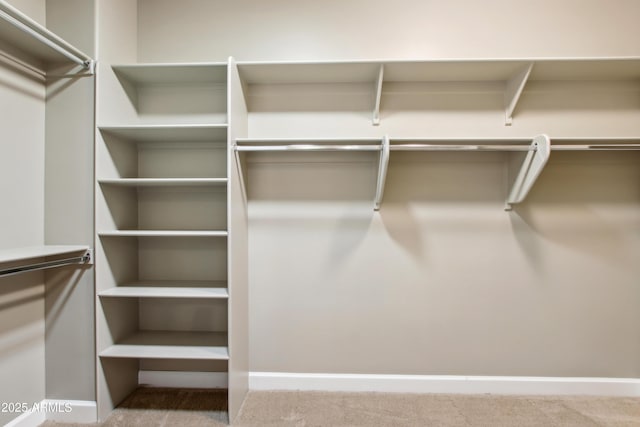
(164, 233)
(159, 182)
(164, 292)
(163, 126)
(171, 345)
(378, 61)
(25, 253)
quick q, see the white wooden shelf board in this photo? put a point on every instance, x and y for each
(165, 182)
(164, 233)
(168, 133)
(171, 345)
(442, 70)
(164, 292)
(158, 73)
(586, 69)
(31, 252)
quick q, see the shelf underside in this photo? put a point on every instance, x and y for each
(171, 345)
(439, 70)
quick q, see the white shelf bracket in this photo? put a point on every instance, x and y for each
(382, 172)
(530, 170)
(378, 96)
(513, 90)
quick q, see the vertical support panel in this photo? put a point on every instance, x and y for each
(69, 134)
(238, 249)
(116, 43)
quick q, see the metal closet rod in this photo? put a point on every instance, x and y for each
(46, 265)
(25, 24)
(437, 147)
(309, 147)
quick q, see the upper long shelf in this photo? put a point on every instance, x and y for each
(31, 252)
(30, 38)
(626, 68)
(512, 74)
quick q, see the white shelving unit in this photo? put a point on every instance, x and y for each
(291, 104)
(162, 212)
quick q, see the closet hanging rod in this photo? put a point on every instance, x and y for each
(600, 147)
(308, 147)
(445, 147)
(16, 18)
(84, 259)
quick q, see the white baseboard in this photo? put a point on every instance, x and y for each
(452, 384)
(180, 379)
(67, 411)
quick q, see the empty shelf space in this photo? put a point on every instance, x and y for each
(164, 233)
(31, 252)
(171, 345)
(158, 73)
(165, 182)
(169, 289)
(168, 133)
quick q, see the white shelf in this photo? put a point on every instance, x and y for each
(31, 252)
(165, 182)
(169, 133)
(439, 70)
(164, 233)
(165, 292)
(31, 45)
(171, 345)
(158, 73)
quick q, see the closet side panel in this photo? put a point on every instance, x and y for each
(70, 356)
(21, 224)
(115, 44)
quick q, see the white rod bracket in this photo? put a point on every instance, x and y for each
(513, 90)
(382, 172)
(530, 170)
(378, 96)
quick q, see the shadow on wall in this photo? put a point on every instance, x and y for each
(584, 202)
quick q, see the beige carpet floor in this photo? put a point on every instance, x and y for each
(196, 408)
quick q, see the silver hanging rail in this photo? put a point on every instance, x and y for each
(308, 147)
(25, 24)
(460, 147)
(84, 259)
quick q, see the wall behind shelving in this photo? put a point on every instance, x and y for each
(205, 30)
(441, 280)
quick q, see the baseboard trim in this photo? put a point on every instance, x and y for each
(180, 379)
(452, 384)
(66, 411)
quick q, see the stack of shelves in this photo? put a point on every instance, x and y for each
(162, 219)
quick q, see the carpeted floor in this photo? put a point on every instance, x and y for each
(198, 408)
